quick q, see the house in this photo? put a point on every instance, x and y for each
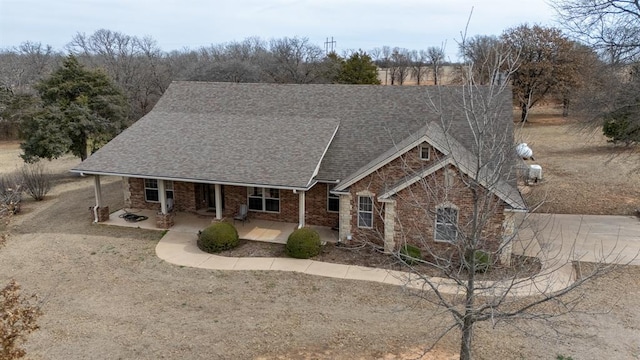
(365, 159)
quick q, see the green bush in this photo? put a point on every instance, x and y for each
(218, 237)
(410, 254)
(482, 260)
(303, 243)
(620, 127)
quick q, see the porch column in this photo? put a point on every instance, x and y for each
(162, 194)
(389, 226)
(164, 219)
(218, 200)
(345, 217)
(98, 190)
(100, 212)
(301, 208)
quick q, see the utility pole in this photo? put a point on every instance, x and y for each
(329, 45)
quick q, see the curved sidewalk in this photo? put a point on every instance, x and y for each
(180, 248)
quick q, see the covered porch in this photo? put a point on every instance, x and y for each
(254, 229)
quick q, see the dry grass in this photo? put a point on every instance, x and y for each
(583, 173)
(105, 292)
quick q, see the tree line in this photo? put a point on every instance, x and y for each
(578, 68)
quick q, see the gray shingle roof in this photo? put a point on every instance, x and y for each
(282, 151)
(276, 134)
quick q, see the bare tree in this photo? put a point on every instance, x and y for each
(294, 60)
(609, 99)
(458, 217)
(484, 53)
(435, 57)
(543, 55)
(418, 65)
(137, 65)
(24, 65)
(399, 66)
(611, 26)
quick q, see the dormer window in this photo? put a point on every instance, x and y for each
(425, 151)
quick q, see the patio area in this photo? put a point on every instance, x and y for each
(254, 229)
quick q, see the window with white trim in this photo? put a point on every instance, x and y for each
(425, 151)
(264, 199)
(333, 201)
(446, 223)
(151, 193)
(365, 212)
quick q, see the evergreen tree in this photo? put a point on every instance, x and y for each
(81, 110)
(358, 69)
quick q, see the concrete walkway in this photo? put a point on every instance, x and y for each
(562, 238)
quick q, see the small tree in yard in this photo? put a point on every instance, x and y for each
(81, 110)
(464, 245)
(18, 315)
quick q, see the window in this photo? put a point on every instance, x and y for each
(446, 224)
(151, 190)
(264, 199)
(365, 212)
(425, 151)
(333, 201)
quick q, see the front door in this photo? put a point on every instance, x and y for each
(210, 196)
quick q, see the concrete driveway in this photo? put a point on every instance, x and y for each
(593, 238)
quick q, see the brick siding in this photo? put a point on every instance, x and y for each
(415, 205)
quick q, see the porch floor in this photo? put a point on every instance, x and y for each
(256, 230)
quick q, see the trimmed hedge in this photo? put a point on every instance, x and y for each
(303, 243)
(218, 237)
(410, 254)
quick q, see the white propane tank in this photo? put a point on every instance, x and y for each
(524, 151)
(535, 173)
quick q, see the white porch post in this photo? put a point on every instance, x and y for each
(301, 208)
(98, 190)
(218, 200)
(162, 194)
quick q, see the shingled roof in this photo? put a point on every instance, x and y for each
(278, 135)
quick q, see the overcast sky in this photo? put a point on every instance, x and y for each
(354, 24)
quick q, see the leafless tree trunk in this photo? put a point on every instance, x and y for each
(418, 65)
(459, 217)
(436, 59)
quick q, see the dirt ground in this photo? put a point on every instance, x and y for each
(105, 294)
(582, 172)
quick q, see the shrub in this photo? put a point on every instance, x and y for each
(410, 254)
(218, 237)
(303, 243)
(481, 259)
(10, 194)
(620, 127)
(36, 180)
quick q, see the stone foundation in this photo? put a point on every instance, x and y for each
(165, 221)
(103, 213)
